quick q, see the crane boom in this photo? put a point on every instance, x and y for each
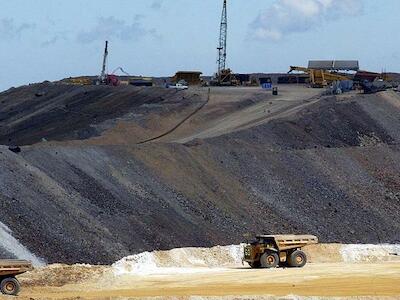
(222, 40)
(122, 70)
(103, 75)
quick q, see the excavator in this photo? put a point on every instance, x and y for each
(320, 78)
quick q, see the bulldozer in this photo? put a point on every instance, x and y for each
(320, 78)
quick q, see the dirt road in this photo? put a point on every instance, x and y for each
(323, 280)
(233, 109)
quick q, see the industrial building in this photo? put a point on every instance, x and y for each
(191, 77)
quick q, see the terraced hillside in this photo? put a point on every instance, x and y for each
(87, 187)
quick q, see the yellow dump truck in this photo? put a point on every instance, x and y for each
(271, 251)
(9, 285)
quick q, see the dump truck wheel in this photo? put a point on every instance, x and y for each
(10, 286)
(297, 259)
(269, 260)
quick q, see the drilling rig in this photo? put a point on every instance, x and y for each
(223, 35)
(104, 78)
(223, 76)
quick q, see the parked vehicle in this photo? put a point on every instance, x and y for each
(178, 86)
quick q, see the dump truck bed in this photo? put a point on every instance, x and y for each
(13, 267)
(290, 241)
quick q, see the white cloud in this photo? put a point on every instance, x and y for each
(157, 4)
(112, 28)
(285, 17)
(9, 29)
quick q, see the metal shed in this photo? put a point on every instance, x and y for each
(339, 65)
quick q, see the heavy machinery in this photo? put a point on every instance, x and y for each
(374, 87)
(104, 78)
(224, 76)
(9, 285)
(320, 78)
(120, 80)
(103, 75)
(112, 79)
(122, 70)
(270, 251)
(80, 81)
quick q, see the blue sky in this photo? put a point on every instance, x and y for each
(53, 39)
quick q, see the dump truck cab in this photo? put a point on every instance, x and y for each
(270, 251)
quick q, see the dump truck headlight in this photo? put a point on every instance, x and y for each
(247, 251)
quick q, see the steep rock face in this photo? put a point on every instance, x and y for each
(99, 203)
(330, 170)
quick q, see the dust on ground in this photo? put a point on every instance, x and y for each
(211, 273)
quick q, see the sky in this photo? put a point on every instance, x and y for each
(53, 39)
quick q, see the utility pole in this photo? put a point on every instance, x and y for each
(222, 41)
(103, 70)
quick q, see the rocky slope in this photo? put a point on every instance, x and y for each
(330, 169)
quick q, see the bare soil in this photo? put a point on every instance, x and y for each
(212, 273)
(317, 280)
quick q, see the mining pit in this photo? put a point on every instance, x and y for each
(93, 174)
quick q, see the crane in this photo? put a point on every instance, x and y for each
(103, 75)
(223, 34)
(224, 75)
(104, 78)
